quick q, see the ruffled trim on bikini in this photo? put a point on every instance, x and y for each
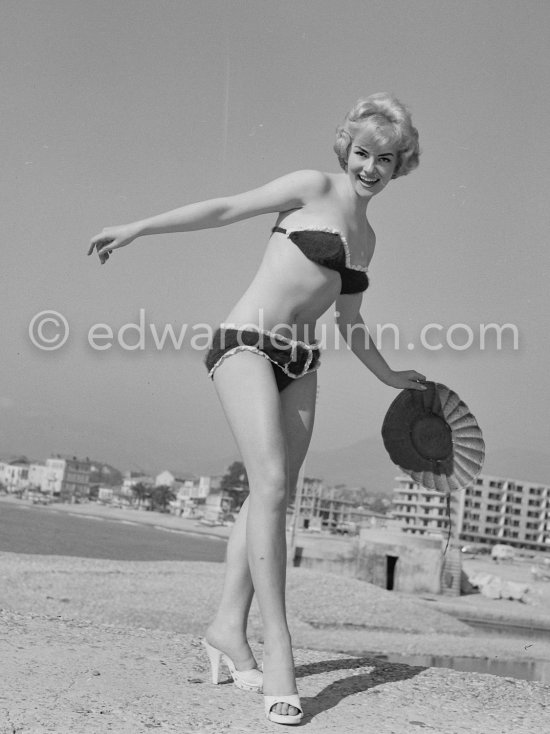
(244, 348)
(332, 230)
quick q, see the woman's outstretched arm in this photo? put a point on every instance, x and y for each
(357, 336)
(288, 192)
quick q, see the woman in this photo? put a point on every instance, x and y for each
(318, 254)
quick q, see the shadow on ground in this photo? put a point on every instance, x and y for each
(330, 696)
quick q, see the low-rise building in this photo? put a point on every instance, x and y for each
(218, 507)
(319, 509)
(119, 497)
(67, 478)
(37, 474)
(131, 478)
(14, 475)
(387, 558)
(189, 490)
(105, 495)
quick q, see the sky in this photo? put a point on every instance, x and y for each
(114, 111)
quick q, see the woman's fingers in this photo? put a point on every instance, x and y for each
(101, 243)
(417, 386)
(92, 246)
(98, 242)
(411, 379)
(417, 381)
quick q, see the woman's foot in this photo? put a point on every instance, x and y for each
(293, 702)
(280, 683)
(233, 643)
(247, 680)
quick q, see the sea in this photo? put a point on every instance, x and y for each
(33, 529)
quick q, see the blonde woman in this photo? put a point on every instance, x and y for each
(264, 359)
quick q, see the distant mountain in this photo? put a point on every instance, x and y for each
(366, 464)
(361, 464)
(215, 465)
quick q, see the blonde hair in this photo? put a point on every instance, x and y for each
(390, 122)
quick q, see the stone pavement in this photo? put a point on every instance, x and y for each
(69, 676)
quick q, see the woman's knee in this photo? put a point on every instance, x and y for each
(269, 484)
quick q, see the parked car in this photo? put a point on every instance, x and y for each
(475, 549)
(346, 528)
(501, 552)
(40, 499)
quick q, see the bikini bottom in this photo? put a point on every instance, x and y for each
(290, 358)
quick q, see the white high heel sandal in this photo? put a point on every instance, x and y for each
(292, 700)
(247, 680)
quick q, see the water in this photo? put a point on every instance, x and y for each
(45, 531)
(533, 670)
(507, 629)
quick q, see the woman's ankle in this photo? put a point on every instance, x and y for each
(233, 642)
(277, 639)
(277, 646)
(234, 628)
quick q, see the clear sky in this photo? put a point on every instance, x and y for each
(113, 111)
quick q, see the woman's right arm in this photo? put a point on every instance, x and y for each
(288, 192)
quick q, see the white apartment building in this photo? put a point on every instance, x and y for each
(14, 475)
(37, 475)
(491, 510)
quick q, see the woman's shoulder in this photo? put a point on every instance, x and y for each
(314, 184)
(311, 178)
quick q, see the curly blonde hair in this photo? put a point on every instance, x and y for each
(391, 123)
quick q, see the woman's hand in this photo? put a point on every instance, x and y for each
(405, 379)
(111, 238)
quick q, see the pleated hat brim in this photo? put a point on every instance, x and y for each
(434, 438)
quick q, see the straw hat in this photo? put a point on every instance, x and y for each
(432, 436)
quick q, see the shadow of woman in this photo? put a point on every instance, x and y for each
(380, 672)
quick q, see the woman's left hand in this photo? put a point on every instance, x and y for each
(406, 379)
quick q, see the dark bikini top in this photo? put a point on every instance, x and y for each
(327, 247)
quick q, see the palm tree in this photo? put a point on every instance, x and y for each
(141, 493)
(235, 482)
(161, 497)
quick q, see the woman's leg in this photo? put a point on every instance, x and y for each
(298, 414)
(227, 630)
(273, 433)
(298, 406)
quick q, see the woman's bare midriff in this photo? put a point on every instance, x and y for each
(288, 292)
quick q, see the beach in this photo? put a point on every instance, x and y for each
(92, 645)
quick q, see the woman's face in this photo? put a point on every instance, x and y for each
(371, 163)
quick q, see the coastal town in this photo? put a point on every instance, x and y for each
(394, 541)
